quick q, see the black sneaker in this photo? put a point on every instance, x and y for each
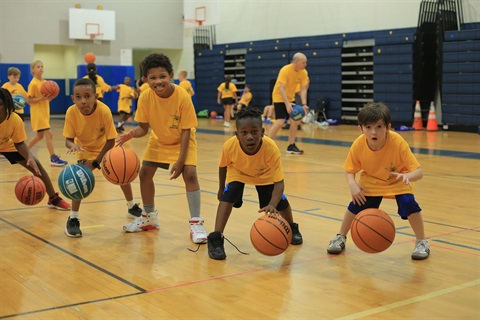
(215, 246)
(286, 126)
(73, 228)
(293, 149)
(134, 212)
(296, 235)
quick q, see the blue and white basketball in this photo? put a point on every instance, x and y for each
(297, 113)
(19, 101)
(76, 181)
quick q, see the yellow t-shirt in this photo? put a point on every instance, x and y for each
(246, 98)
(167, 117)
(185, 84)
(290, 78)
(262, 168)
(40, 111)
(227, 93)
(14, 90)
(144, 87)
(11, 131)
(101, 86)
(92, 131)
(395, 156)
(124, 103)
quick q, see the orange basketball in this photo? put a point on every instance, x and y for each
(120, 165)
(271, 234)
(373, 230)
(213, 114)
(30, 190)
(89, 57)
(50, 88)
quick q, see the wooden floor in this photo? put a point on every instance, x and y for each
(109, 274)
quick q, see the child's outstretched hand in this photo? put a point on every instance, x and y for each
(403, 177)
(75, 148)
(270, 208)
(125, 137)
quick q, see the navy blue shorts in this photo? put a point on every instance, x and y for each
(233, 193)
(406, 205)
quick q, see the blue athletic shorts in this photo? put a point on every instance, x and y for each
(406, 205)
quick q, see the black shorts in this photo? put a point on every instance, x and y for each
(21, 116)
(13, 157)
(233, 193)
(228, 101)
(281, 110)
(124, 113)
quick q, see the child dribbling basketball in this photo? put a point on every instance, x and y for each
(249, 158)
(388, 169)
(169, 111)
(90, 132)
(40, 113)
(14, 148)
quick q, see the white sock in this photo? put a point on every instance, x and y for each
(130, 204)
(74, 214)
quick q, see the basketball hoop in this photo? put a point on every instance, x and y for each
(193, 21)
(96, 37)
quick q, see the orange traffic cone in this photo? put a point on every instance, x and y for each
(417, 117)
(432, 119)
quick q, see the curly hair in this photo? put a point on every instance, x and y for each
(155, 60)
(7, 99)
(249, 113)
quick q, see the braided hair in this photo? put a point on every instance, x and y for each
(92, 72)
(7, 99)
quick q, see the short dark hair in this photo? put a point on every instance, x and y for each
(372, 112)
(249, 113)
(85, 82)
(155, 60)
(7, 99)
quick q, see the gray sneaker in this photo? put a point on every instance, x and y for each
(422, 250)
(337, 244)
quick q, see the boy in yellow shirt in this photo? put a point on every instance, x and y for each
(125, 97)
(184, 83)
(14, 87)
(388, 169)
(168, 111)
(249, 158)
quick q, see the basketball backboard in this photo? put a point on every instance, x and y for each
(204, 12)
(88, 24)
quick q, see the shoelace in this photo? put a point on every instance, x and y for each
(198, 247)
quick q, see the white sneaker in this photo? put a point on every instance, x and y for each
(226, 124)
(197, 230)
(422, 250)
(143, 223)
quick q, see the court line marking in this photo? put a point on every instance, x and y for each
(409, 301)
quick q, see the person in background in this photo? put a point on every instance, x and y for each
(184, 83)
(125, 97)
(284, 97)
(40, 113)
(100, 84)
(245, 100)
(14, 87)
(227, 95)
